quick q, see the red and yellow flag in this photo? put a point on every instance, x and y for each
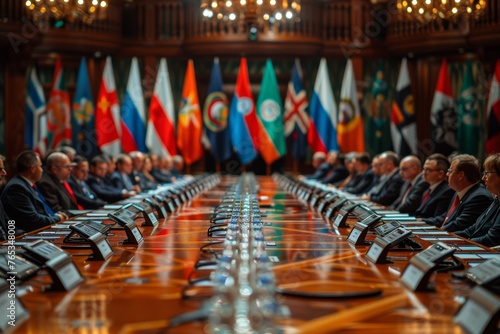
(190, 126)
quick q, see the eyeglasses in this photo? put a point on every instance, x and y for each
(377, 165)
(83, 170)
(67, 166)
(404, 169)
(450, 170)
(430, 170)
(486, 174)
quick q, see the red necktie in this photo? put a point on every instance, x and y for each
(453, 207)
(71, 194)
(426, 196)
(405, 193)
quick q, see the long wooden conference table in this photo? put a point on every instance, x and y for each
(325, 283)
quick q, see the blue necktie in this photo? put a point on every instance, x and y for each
(47, 207)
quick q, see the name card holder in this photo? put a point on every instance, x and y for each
(159, 207)
(101, 249)
(147, 213)
(65, 275)
(358, 233)
(387, 228)
(15, 265)
(168, 202)
(417, 273)
(480, 314)
(377, 253)
(324, 202)
(124, 219)
(486, 273)
(332, 209)
(13, 310)
(315, 196)
(343, 215)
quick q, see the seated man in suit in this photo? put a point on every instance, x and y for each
(21, 200)
(471, 198)
(121, 177)
(338, 172)
(320, 165)
(411, 192)
(177, 167)
(77, 181)
(389, 192)
(486, 229)
(97, 182)
(363, 180)
(54, 185)
(161, 176)
(436, 199)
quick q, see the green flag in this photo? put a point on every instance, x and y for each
(469, 118)
(378, 126)
(272, 144)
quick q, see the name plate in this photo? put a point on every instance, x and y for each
(486, 273)
(417, 273)
(58, 263)
(378, 251)
(480, 313)
(354, 235)
(101, 250)
(134, 237)
(338, 221)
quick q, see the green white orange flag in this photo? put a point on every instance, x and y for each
(190, 125)
(272, 143)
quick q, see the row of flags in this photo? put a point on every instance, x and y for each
(250, 127)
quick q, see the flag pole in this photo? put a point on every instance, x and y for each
(268, 169)
(217, 167)
(295, 167)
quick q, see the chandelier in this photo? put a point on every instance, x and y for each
(251, 10)
(70, 11)
(425, 11)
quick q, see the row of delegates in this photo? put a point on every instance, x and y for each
(21, 199)
(329, 169)
(486, 229)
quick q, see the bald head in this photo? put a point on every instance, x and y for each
(410, 167)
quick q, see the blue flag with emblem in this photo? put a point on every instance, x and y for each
(215, 117)
(82, 116)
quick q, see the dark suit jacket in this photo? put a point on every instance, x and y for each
(23, 205)
(319, 173)
(436, 205)
(118, 182)
(161, 176)
(104, 190)
(473, 203)
(361, 183)
(55, 194)
(88, 202)
(390, 191)
(338, 173)
(414, 197)
(486, 229)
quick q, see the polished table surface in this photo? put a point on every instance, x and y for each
(140, 288)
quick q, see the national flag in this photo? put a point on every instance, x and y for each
(58, 111)
(133, 113)
(35, 129)
(350, 126)
(82, 120)
(493, 135)
(403, 126)
(190, 125)
(296, 114)
(272, 144)
(215, 116)
(444, 115)
(160, 135)
(378, 125)
(322, 134)
(470, 120)
(243, 121)
(107, 117)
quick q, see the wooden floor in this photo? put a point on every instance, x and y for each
(140, 289)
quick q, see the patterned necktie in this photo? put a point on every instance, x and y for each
(40, 195)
